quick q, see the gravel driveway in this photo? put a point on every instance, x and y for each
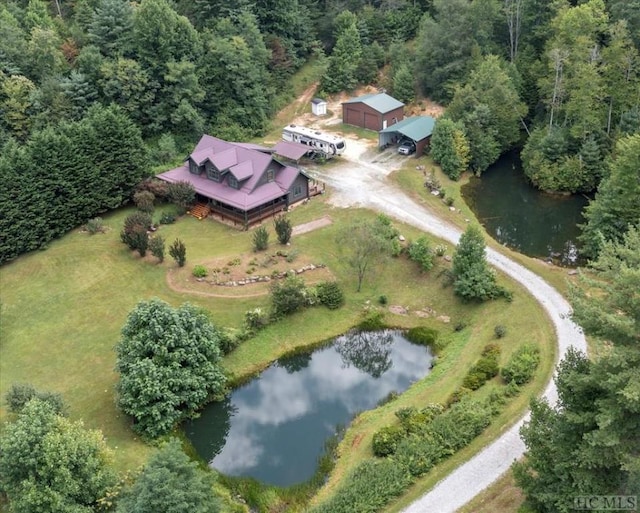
(361, 180)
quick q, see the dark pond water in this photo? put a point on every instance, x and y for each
(275, 428)
(520, 216)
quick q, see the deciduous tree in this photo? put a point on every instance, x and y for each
(169, 364)
(50, 463)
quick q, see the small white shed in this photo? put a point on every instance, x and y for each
(319, 107)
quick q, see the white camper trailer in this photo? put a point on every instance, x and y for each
(325, 144)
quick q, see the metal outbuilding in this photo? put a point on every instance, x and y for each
(416, 128)
(372, 111)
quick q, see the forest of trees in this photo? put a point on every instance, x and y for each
(93, 91)
(558, 78)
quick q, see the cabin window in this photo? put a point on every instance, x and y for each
(297, 190)
(270, 175)
(213, 174)
(193, 168)
(232, 181)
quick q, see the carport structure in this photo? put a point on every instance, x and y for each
(416, 128)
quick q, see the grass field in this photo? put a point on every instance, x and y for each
(62, 310)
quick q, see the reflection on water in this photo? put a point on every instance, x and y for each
(275, 427)
(522, 217)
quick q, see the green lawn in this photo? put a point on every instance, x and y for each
(62, 310)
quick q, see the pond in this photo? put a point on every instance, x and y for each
(275, 427)
(522, 217)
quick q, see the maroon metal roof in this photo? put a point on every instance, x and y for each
(291, 150)
(243, 170)
(246, 164)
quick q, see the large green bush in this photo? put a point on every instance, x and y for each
(283, 228)
(330, 294)
(260, 239)
(522, 365)
(288, 296)
(420, 252)
(385, 440)
(484, 369)
(422, 335)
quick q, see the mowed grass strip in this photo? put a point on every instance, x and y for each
(62, 310)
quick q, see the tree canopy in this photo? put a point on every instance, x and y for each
(50, 463)
(169, 364)
(588, 442)
(170, 483)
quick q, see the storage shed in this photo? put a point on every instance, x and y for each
(372, 111)
(416, 128)
(319, 107)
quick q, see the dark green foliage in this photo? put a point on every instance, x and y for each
(420, 252)
(260, 239)
(449, 147)
(283, 229)
(383, 300)
(330, 294)
(169, 364)
(21, 393)
(63, 177)
(178, 251)
(522, 365)
(372, 320)
(144, 200)
(500, 330)
(423, 335)
(168, 218)
(385, 440)
(617, 203)
(473, 279)
(156, 246)
(134, 233)
(48, 463)
(484, 369)
(181, 194)
(288, 296)
(170, 482)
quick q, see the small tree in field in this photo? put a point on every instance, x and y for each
(178, 252)
(156, 246)
(134, 234)
(169, 364)
(260, 239)
(144, 200)
(283, 229)
(181, 194)
(170, 477)
(363, 244)
(473, 279)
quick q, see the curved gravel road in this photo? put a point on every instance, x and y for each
(360, 180)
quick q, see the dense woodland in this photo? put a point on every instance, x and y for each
(559, 79)
(92, 92)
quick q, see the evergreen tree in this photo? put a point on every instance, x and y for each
(170, 482)
(449, 147)
(617, 203)
(473, 279)
(111, 26)
(588, 443)
(403, 84)
(343, 62)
